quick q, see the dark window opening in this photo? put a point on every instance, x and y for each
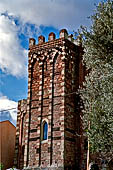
(45, 131)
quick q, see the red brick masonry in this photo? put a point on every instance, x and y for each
(55, 72)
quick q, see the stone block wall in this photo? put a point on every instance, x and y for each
(53, 79)
(21, 131)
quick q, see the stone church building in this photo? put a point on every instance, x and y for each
(49, 131)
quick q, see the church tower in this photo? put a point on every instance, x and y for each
(49, 129)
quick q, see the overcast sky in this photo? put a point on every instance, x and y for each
(20, 20)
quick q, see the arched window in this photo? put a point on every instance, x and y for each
(45, 131)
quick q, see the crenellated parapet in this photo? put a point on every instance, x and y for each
(63, 34)
(49, 133)
(51, 119)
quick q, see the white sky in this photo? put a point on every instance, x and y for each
(6, 104)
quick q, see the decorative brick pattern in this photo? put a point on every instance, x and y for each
(54, 75)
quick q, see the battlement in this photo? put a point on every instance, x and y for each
(63, 34)
(55, 72)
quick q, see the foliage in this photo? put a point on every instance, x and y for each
(1, 166)
(97, 91)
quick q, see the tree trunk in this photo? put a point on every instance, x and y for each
(88, 148)
(88, 156)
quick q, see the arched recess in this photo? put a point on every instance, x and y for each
(35, 69)
(35, 79)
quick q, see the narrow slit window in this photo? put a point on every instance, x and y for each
(45, 131)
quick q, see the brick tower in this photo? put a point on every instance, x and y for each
(48, 122)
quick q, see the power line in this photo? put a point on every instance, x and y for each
(31, 100)
(7, 109)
